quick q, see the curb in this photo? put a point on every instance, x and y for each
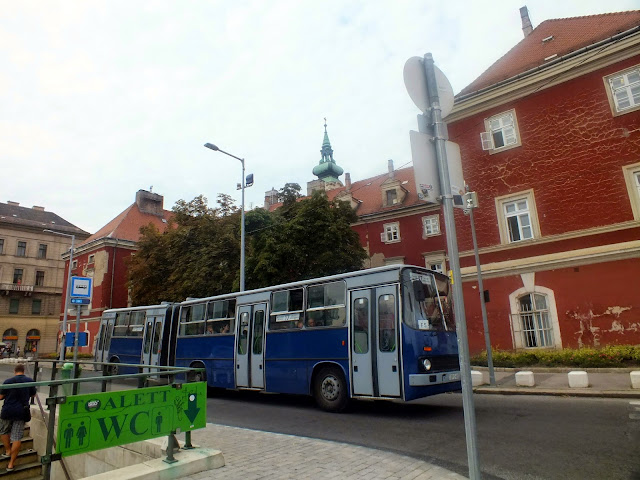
(558, 369)
(557, 393)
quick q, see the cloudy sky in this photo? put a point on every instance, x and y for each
(101, 98)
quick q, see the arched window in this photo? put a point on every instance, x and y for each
(534, 316)
(33, 334)
(533, 310)
(10, 334)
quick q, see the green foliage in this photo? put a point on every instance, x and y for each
(311, 238)
(199, 253)
(609, 356)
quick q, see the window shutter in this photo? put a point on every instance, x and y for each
(383, 237)
(487, 141)
(509, 135)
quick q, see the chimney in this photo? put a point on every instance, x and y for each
(270, 198)
(347, 181)
(390, 166)
(15, 204)
(40, 209)
(526, 23)
(150, 202)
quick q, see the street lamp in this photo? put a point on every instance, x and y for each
(216, 149)
(66, 298)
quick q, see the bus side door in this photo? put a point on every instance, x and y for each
(104, 340)
(152, 341)
(250, 346)
(375, 366)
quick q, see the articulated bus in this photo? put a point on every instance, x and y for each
(381, 333)
(137, 335)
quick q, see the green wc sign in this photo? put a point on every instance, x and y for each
(102, 420)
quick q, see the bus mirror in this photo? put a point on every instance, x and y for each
(418, 290)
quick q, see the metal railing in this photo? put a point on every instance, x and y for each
(160, 375)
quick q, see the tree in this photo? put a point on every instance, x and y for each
(312, 238)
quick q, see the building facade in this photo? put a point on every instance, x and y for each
(103, 257)
(550, 141)
(32, 275)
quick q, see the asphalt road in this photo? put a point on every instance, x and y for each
(519, 437)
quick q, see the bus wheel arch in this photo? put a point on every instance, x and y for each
(329, 387)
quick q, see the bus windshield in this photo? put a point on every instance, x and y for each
(427, 301)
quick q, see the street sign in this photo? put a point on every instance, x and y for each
(425, 167)
(83, 339)
(81, 301)
(101, 420)
(81, 287)
(415, 79)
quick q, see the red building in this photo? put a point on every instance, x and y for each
(550, 141)
(103, 256)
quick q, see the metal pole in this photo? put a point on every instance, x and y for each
(483, 307)
(242, 234)
(452, 247)
(75, 337)
(66, 303)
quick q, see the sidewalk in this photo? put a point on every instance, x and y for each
(254, 454)
(603, 382)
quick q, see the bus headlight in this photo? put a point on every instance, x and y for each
(426, 364)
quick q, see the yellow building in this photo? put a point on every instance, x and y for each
(32, 274)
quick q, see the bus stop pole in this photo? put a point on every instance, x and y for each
(454, 261)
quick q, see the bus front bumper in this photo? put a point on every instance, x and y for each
(422, 379)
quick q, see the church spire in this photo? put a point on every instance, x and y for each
(327, 170)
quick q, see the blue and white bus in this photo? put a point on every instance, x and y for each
(381, 333)
(137, 335)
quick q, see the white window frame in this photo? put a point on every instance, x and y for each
(620, 82)
(91, 259)
(432, 260)
(391, 233)
(507, 124)
(385, 194)
(503, 226)
(431, 222)
(516, 319)
(632, 179)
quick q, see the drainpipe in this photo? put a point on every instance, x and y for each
(113, 267)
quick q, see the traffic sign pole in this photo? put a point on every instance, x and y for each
(454, 260)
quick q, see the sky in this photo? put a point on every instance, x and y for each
(102, 98)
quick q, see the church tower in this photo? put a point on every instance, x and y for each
(327, 170)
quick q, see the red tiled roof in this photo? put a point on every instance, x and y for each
(368, 194)
(126, 226)
(569, 35)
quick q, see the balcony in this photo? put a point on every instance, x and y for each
(16, 287)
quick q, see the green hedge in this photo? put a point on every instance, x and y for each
(610, 356)
(68, 356)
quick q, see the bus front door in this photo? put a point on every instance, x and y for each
(250, 346)
(151, 342)
(375, 366)
(104, 340)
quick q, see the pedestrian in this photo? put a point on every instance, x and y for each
(15, 413)
(18, 351)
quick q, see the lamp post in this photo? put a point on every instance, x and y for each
(66, 298)
(216, 149)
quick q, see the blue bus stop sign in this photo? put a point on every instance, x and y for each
(83, 339)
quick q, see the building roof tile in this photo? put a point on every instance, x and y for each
(554, 38)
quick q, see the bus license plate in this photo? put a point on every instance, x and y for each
(453, 377)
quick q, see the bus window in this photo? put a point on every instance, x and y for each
(157, 336)
(147, 339)
(121, 325)
(221, 317)
(244, 333)
(427, 303)
(136, 323)
(361, 325)
(326, 305)
(387, 323)
(258, 331)
(286, 309)
(189, 324)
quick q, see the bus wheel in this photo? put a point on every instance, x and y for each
(196, 376)
(113, 369)
(330, 389)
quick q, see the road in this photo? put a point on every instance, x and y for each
(519, 436)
